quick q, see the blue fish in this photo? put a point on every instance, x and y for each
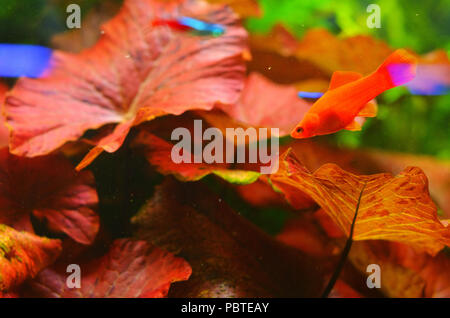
(191, 24)
(201, 26)
(23, 60)
(310, 94)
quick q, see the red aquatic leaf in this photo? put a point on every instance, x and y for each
(433, 270)
(261, 194)
(437, 171)
(305, 234)
(22, 256)
(133, 74)
(391, 208)
(158, 153)
(279, 40)
(270, 105)
(4, 132)
(52, 191)
(405, 272)
(131, 269)
(342, 290)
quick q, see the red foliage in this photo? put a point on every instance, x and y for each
(130, 269)
(133, 74)
(187, 241)
(49, 189)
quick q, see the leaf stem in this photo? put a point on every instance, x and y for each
(345, 252)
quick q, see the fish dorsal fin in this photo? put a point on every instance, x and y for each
(353, 126)
(370, 110)
(340, 78)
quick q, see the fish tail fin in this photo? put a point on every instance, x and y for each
(399, 68)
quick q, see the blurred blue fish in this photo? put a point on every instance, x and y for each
(191, 24)
(23, 60)
(310, 94)
(201, 26)
(431, 79)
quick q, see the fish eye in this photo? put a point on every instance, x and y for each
(299, 130)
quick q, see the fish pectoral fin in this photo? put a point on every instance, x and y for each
(353, 126)
(340, 78)
(370, 110)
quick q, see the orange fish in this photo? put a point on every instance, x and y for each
(350, 96)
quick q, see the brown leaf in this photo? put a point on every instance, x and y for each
(360, 53)
(79, 39)
(245, 8)
(437, 171)
(396, 280)
(230, 257)
(392, 208)
(369, 161)
(405, 272)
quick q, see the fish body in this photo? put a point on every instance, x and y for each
(173, 24)
(191, 24)
(350, 95)
(18, 60)
(310, 94)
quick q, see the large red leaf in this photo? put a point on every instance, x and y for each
(266, 104)
(51, 190)
(131, 269)
(133, 74)
(391, 208)
(22, 256)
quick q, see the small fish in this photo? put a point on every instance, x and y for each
(23, 60)
(350, 95)
(310, 94)
(433, 75)
(431, 80)
(191, 24)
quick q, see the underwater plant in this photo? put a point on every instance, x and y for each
(93, 203)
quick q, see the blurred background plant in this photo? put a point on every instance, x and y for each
(406, 123)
